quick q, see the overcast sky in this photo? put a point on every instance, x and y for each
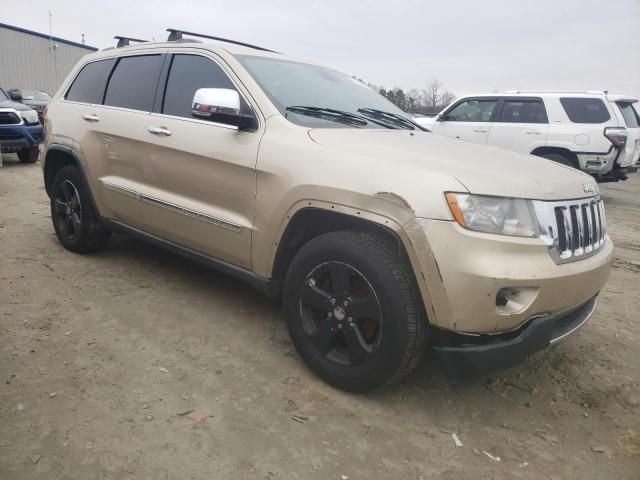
(471, 46)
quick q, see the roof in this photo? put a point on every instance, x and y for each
(47, 37)
(552, 94)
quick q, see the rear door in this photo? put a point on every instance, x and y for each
(520, 124)
(468, 119)
(121, 122)
(200, 176)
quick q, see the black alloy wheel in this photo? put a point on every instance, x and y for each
(341, 313)
(67, 210)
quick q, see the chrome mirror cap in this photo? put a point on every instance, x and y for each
(209, 101)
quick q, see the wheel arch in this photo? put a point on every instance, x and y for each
(58, 157)
(311, 221)
(565, 152)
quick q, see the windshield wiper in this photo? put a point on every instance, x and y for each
(330, 114)
(390, 117)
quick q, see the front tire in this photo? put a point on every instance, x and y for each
(28, 155)
(353, 312)
(75, 221)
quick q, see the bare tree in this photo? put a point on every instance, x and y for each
(446, 98)
(433, 93)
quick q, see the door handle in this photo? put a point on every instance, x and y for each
(162, 131)
(533, 132)
(480, 130)
(91, 117)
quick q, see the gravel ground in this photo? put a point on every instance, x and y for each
(136, 364)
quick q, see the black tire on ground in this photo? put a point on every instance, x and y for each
(29, 155)
(375, 330)
(558, 158)
(75, 221)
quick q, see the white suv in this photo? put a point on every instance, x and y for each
(593, 131)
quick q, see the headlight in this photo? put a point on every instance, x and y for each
(29, 116)
(499, 215)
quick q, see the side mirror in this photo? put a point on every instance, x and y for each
(221, 105)
(15, 96)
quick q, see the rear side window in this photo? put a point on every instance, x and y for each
(189, 73)
(522, 111)
(133, 82)
(88, 87)
(585, 110)
(629, 114)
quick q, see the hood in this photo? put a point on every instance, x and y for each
(36, 103)
(15, 105)
(481, 169)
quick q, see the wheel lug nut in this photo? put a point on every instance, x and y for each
(333, 301)
(330, 315)
(339, 325)
(345, 303)
(312, 282)
(350, 319)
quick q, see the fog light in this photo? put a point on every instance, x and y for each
(511, 300)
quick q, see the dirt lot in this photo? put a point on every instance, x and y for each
(134, 363)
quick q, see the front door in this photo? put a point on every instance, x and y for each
(469, 119)
(200, 179)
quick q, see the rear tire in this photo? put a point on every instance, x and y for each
(353, 312)
(75, 221)
(28, 155)
(559, 158)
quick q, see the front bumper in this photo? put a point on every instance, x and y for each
(464, 357)
(463, 276)
(17, 137)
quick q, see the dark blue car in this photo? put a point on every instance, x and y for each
(20, 129)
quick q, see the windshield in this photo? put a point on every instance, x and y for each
(294, 84)
(3, 96)
(35, 95)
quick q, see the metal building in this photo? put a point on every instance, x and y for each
(35, 60)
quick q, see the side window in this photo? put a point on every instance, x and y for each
(522, 111)
(477, 110)
(133, 83)
(188, 73)
(629, 114)
(585, 110)
(89, 85)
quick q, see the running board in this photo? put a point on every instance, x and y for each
(263, 285)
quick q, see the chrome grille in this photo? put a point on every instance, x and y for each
(572, 230)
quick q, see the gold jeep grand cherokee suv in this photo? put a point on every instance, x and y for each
(380, 238)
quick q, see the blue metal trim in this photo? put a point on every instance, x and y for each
(47, 37)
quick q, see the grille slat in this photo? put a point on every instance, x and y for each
(573, 229)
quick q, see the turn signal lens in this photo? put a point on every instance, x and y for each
(452, 200)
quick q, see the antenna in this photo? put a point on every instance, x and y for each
(124, 41)
(175, 35)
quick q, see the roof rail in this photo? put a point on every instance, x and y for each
(175, 35)
(590, 92)
(124, 41)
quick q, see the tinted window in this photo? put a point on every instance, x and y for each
(585, 110)
(189, 73)
(472, 110)
(133, 82)
(522, 111)
(629, 114)
(88, 87)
